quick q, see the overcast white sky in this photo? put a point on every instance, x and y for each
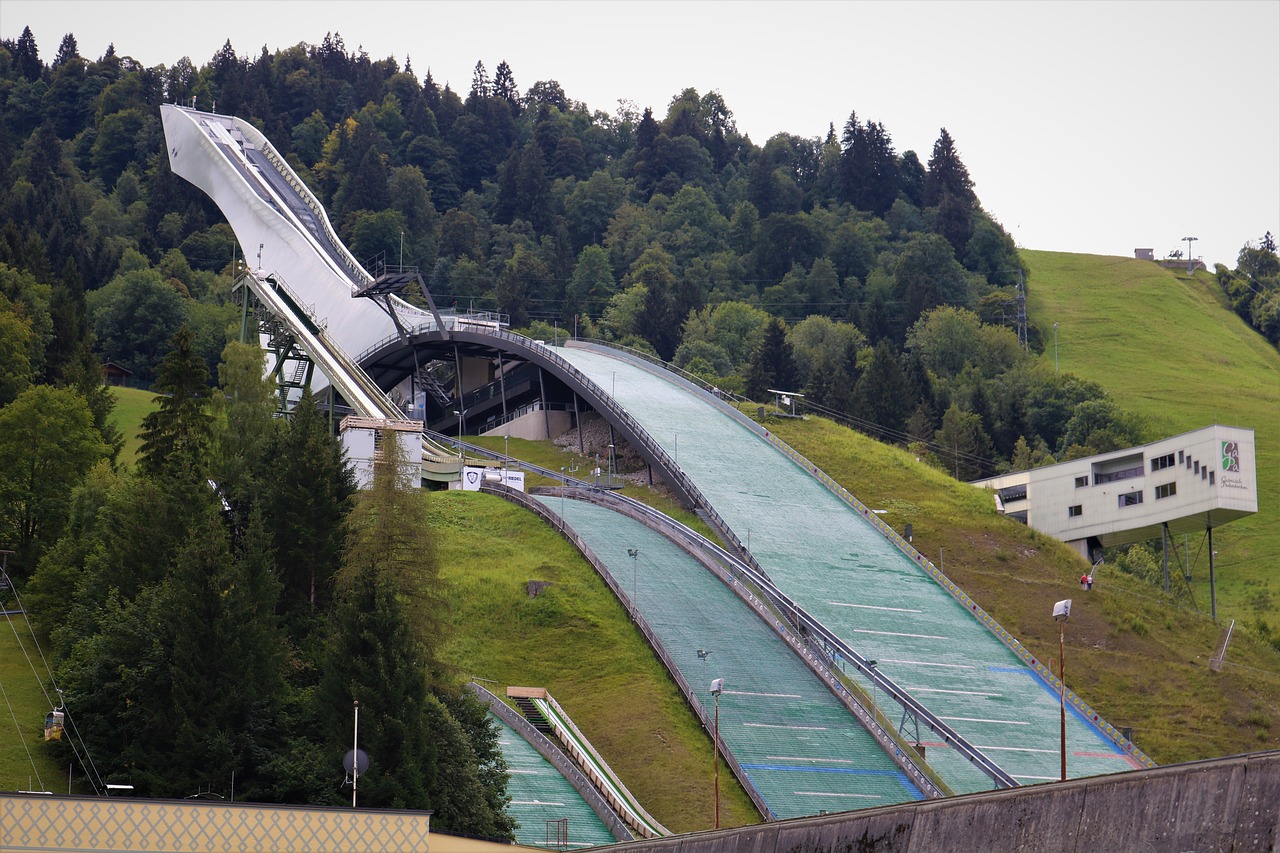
(1093, 127)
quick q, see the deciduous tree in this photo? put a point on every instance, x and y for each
(49, 443)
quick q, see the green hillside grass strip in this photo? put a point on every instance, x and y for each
(575, 640)
(26, 704)
(1166, 347)
(1140, 659)
(132, 405)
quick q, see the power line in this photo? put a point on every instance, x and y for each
(87, 765)
(898, 435)
(18, 728)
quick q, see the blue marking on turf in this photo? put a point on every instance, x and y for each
(848, 771)
(1071, 709)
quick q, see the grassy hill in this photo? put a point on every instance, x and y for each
(25, 764)
(132, 405)
(1165, 345)
(1139, 658)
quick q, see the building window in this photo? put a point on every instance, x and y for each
(1159, 463)
(1197, 468)
(1081, 482)
(1179, 456)
(1168, 490)
(1210, 478)
(1075, 511)
(1112, 476)
(1131, 499)
(1204, 472)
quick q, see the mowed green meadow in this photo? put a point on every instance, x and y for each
(1166, 346)
(132, 405)
(26, 762)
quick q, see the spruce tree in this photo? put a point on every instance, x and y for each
(176, 435)
(225, 660)
(947, 174)
(881, 397)
(307, 492)
(387, 625)
(773, 365)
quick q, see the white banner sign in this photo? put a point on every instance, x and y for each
(473, 478)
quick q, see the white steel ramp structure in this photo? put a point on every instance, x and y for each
(880, 600)
(546, 715)
(279, 223)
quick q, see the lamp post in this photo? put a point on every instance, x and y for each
(1062, 612)
(634, 554)
(355, 752)
(871, 671)
(717, 686)
(1055, 347)
(1191, 263)
(611, 466)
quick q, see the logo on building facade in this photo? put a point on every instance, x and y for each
(1231, 456)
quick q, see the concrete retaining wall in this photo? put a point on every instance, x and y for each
(1227, 804)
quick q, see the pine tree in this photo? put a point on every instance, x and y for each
(947, 174)
(226, 656)
(647, 131)
(963, 446)
(657, 323)
(479, 84)
(879, 395)
(175, 437)
(504, 86)
(307, 491)
(26, 56)
(389, 536)
(773, 365)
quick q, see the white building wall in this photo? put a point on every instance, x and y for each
(1078, 500)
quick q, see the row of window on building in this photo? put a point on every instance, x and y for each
(1158, 463)
(1164, 490)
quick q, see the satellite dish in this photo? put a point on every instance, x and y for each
(357, 758)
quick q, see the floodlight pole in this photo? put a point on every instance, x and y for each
(1213, 592)
(1062, 693)
(355, 754)
(1055, 347)
(1061, 613)
(716, 687)
(716, 758)
(634, 554)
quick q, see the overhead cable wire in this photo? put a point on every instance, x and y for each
(86, 762)
(18, 728)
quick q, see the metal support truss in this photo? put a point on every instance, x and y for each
(292, 368)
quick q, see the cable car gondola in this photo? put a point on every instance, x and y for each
(53, 725)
